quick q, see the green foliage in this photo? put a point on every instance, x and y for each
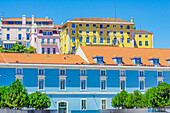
(154, 97)
(31, 49)
(19, 48)
(3, 89)
(39, 100)
(16, 95)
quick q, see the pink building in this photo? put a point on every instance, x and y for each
(29, 31)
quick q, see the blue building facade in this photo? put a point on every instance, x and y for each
(83, 87)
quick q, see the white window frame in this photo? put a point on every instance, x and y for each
(160, 79)
(103, 78)
(41, 77)
(43, 70)
(142, 79)
(93, 32)
(21, 71)
(101, 72)
(62, 78)
(19, 77)
(83, 70)
(113, 32)
(81, 103)
(122, 78)
(143, 73)
(87, 30)
(102, 105)
(89, 40)
(158, 72)
(81, 31)
(83, 78)
(62, 69)
(124, 75)
(121, 31)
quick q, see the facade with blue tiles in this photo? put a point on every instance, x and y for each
(83, 87)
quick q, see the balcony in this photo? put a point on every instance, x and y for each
(51, 43)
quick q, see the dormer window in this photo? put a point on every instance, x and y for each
(155, 61)
(168, 60)
(118, 60)
(137, 61)
(98, 59)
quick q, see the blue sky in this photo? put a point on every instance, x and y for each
(150, 15)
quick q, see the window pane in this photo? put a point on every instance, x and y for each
(122, 84)
(41, 84)
(83, 104)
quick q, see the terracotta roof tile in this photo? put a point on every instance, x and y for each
(127, 54)
(142, 31)
(41, 58)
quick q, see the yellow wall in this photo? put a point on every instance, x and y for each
(65, 34)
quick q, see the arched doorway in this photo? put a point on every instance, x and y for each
(62, 107)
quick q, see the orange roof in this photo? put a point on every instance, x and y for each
(142, 31)
(99, 19)
(40, 58)
(59, 26)
(19, 19)
(127, 54)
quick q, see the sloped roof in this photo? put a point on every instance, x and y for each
(142, 31)
(126, 54)
(40, 58)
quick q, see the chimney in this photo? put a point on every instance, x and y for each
(2, 17)
(131, 19)
(32, 19)
(23, 20)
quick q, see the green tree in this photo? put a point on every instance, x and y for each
(130, 101)
(137, 97)
(16, 96)
(19, 48)
(3, 89)
(120, 100)
(31, 49)
(39, 100)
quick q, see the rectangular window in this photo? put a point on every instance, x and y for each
(101, 25)
(141, 73)
(73, 49)
(108, 32)
(94, 25)
(62, 84)
(108, 25)
(121, 32)
(28, 45)
(114, 32)
(83, 104)
(35, 30)
(48, 41)
(19, 29)
(40, 71)
(128, 40)
(159, 82)
(94, 40)
(35, 39)
(94, 31)
(87, 25)
(114, 26)
(54, 50)
(140, 35)
(19, 71)
(73, 32)
(119, 61)
(28, 29)
(122, 84)
(101, 40)
(62, 72)
(19, 36)
(87, 40)
(142, 85)
(140, 43)
(73, 39)
(80, 25)
(128, 27)
(146, 35)
(48, 50)
(101, 32)
(102, 72)
(87, 31)
(28, 36)
(146, 43)
(108, 40)
(43, 50)
(54, 41)
(122, 73)
(121, 26)
(8, 36)
(80, 39)
(80, 31)
(128, 32)
(73, 25)
(103, 104)
(41, 83)
(160, 74)
(83, 84)
(134, 43)
(83, 72)
(122, 40)
(8, 29)
(103, 84)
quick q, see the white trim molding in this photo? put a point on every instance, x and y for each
(81, 103)
(41, 78)
(62, 78)
(142, 79)
(105, 103)
(122, 79)
(83, 78)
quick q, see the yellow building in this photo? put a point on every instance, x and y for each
(101, 32)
